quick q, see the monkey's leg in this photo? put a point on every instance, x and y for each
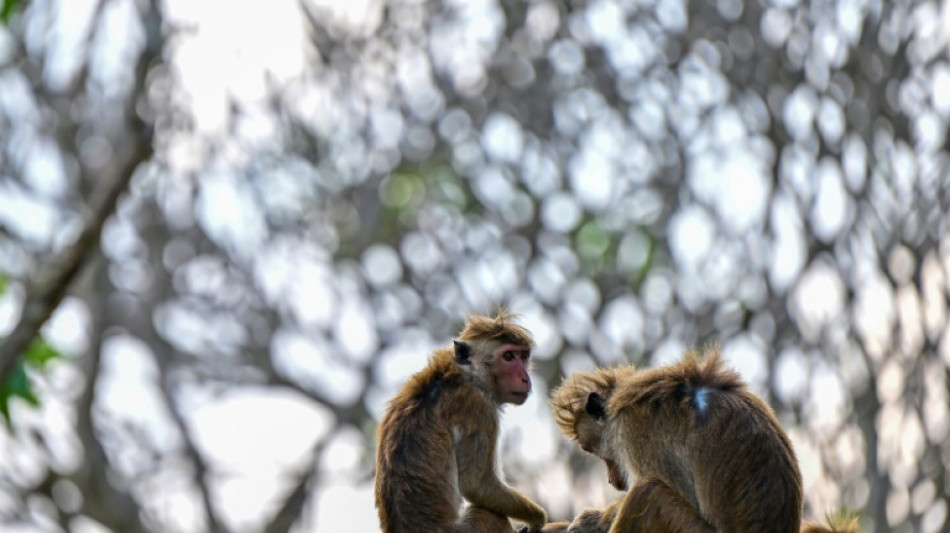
(652, 506)
(480, 520)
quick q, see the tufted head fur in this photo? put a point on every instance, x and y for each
(569, 400)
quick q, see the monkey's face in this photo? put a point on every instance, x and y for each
(590, 433)
(509, 370)
(590, 429)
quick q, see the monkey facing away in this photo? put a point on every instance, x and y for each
(705, 454)
(438, 437)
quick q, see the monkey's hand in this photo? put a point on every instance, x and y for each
(589, 521)
(535, 520)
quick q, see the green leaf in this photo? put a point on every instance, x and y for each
(16, 385)
(402, 190)
(6, 11)
(19, 385)
(592, 240)
(4, 283)
(40, 353)
(5, 410)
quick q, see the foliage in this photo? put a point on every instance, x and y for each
(17, 384)
(7, 8)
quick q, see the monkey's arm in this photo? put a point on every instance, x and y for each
(550, 527)
(651, 505)
(479, 484)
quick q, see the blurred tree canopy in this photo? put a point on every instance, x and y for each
(632, 177)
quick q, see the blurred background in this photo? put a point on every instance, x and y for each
(229, 231)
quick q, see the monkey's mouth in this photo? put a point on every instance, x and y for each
(615, 476)
(523, 396)
(619, 484)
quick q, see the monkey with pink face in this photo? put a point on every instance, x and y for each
(438, 437)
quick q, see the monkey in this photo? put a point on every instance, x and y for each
(705, 454)
(437, 439)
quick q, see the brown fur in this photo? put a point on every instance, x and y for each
(570, 398)
(437, 442)
(837, 524)
(708, 455)
(500, 328)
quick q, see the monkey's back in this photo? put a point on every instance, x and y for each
(695, 426)
(749, 476)
(416, 471)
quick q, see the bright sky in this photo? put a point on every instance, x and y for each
(233, 52)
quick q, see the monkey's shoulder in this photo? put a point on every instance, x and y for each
(441, 385)
(446, 404)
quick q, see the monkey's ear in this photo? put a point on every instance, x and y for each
(596, 406)
(463, 352)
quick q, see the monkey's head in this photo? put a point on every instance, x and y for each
(591, 437)
(580, 409)
(497, 352)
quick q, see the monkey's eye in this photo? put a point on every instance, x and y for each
(525, 355)
(508, 355)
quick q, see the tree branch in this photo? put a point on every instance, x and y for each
(290, 512)
(102, 499)
(46, 290)
(165, 354)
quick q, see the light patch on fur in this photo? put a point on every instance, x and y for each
(701, 399)
(454, 473)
